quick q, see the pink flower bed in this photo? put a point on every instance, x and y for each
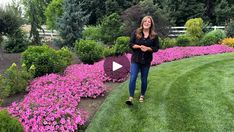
(177, 53)
(52, 101)
(51, 105)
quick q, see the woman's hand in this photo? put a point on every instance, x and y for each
(135, 46)
(145, 48)
(142, 47)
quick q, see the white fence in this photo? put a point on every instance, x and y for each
(48, 33)
(174, 32)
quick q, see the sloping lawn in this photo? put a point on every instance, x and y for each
(193, 94)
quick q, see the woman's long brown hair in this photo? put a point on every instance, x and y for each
(152, 32)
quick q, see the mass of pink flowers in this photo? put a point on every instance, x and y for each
(51, 105)
(52, 101)
(177, 53)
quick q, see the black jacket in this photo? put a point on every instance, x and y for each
(139, 56)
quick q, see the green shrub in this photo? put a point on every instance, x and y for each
(92, 33)
(14, 80)
(109, 52)
(65, 57)
(230, 29)
(8, 123)
(194, 27)
(208, 39)
(46, 59)
(123, 40)
(183, 40)
(219, 34)
(168, 43)
(122, 45)
(53, 12)
(110, 28)
(16, 42)
(89, 51)
(194, 41)
(213, 37)
(9, 21)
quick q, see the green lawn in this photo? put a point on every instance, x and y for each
(193, 94)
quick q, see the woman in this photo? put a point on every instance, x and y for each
(144, 41)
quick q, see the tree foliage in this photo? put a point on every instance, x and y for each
(9, 22)
(117, 6)
(111, 28)
(53, 11)
(223, 11)
(133, 15)
(194, 27)
(71, 23)
(35, 13)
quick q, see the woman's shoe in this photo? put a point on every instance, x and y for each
(141, 99)
(129, 101)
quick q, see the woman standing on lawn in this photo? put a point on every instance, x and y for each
(144, 41)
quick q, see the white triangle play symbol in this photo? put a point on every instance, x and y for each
(116, 66)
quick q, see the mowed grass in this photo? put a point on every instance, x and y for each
(193, 94)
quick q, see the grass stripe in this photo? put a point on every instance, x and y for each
(193, 94)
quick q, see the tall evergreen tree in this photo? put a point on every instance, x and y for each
(224, 11)
(97, 10)
(118, 6)
(35, 13)
(209, 15)
(180, 11)
(72, 22)
(216, 12)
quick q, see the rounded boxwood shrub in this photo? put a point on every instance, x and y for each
(109, 52)
(168, 43)
(89, 51)
(213, 37)
(8, 123)
(183, 40)
(46, 59)
(122, 45)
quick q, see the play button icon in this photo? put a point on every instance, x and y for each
(117, 67)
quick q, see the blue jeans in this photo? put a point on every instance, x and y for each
(135, 68)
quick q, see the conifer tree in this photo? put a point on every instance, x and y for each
(223, 12)
(72, 22)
